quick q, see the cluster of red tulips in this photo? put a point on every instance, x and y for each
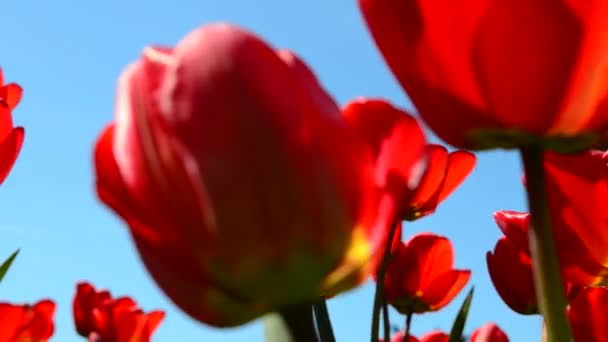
(249, 191)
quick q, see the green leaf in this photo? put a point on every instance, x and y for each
(461, 318)
(7, 264)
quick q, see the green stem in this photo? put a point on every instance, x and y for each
(379, 294)
(547, 277)
(300, 324)
(408, 325)
(323, 322)
(386, 323)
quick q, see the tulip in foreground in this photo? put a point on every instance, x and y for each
(444, 173)
(101, 318)
(487, 74)
(11, 137)
(490, 332)
(244, 188)
(27, 323)
(421, 276)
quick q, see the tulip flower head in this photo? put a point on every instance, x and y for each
(490, 332)
(491, 74)
(102, 318)
(444, 173)
(245, 188)
(510, 265)
(421, 276)
(11, 138)
(27, 323)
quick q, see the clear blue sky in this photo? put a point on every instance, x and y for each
(67, 56)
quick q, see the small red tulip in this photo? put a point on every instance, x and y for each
(102, 318)
(11, 138)
(486, 74)
(398, 337)
(490, 332)
(435, 336)
(421, 276)
(511, 273)
(587, 313)
(444, 173)
(245, 188)
(25, 323)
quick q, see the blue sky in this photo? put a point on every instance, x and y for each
(67, 56)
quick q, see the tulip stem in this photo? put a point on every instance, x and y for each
(547, 277)
(300, 324)
(408, 324)
(379, 295)
(386, 323)
(323, 321)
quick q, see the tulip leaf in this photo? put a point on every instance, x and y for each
(7, 264)
(458, 326)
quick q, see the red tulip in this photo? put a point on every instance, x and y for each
(435, 336)
(587, 312)
(421, 276)
(11, 138)
(490, 332)
(25, 323)
(511, 272)
(577, 187)
(244, 188)
(102, 318)
(444, 173)
(398, 337)
(487, 74)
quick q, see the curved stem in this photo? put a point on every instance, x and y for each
(547, 277)
(379, 294)
(326, 332)
(408, 324)
(386, 323)
(300, 324)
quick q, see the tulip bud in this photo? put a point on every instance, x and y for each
(245, 189)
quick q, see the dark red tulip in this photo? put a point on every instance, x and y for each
(587, 312)
(435, 336)
(11, 137)
(490, 332)
(398, 337)
(102, 318)
(486, 74)
(444, 173)
(27, 323)
(244, 187)
(421, 276)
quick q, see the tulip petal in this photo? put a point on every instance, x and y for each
(11, 93)
(445, 287)
(577, 188)
(427, 191)
(390, 132)
(460, 165)
(586, 312)
(514, 225)
(511, 273)
(526, 90)
(9, 150)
